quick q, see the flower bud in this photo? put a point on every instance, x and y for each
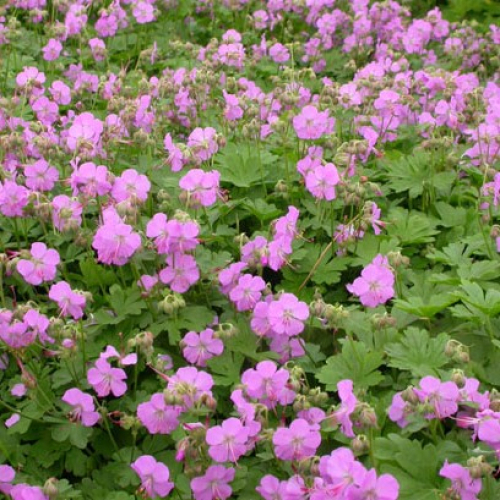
(360, 444)
(50, 488)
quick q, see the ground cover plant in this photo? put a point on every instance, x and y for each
(249, 249)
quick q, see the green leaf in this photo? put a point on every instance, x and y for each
(450, 216)
(410, 227)
(432, 305)
(126, 302)
(409, 173)
(477, 301)
(418, 353)
(226, 368)
(239, 165)
(96, 275)
(76, 462)
(413, 465)
(354, 363)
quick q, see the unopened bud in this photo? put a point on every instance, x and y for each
(360, 444)
(50, 488)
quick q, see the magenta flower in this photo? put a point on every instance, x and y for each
(341, 470)
(90, 180)
(299, 441)
(348, 404)
(13, 199)
(27, 492)
(443, 396)
(227, 442)
(182, 236)
(213, 485)
(84, 133)
(181, 272)
(287, 314)
(52, 50)
(105, 379)
(143, 12)
(201, 187)
(372, 487)
(200, 347)
(321, 181)
(268, 385)
(66, 213)
(191, 384)
(247, 292)
(462, 484)
(399, 410)
(83, 407)
(70, 303)
(312, 124)
(375, 286)
(271, 488)
(40, 176)
(203, 143)
(229, 277)
(157, 416)
(7, 475)
(154, 476)
(41, 267)
(115, 241)
(131, 186)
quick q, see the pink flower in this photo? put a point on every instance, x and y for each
(41, 267)
(154, 476)
(268, 384)
(299, 441)
(84, 133)
(287, 315)
(19, 390)
(181, 272)
(443, 396)
(202, 188)
(375, 286)
(200, 347)
(247, 292)
(229, 277)
(462, 483)
(40, 176)
(70, 303)
(13, 199)
(279, 53)
(143, 12)
(66, 213)
(370, 486)
(90, 180)
(52, 50)
(105, 379)
(271, 488)
(203, 143)
(60, 92)
(7, 475)
(321, 181)
(227, 442)
(157, 416)
(175, 158)
(190, 384)
(131, 186)
(12, 420)
(347, 407)
(213, 485)
(83, 407)
(312, 124)
(115, 241)
(26, 492)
